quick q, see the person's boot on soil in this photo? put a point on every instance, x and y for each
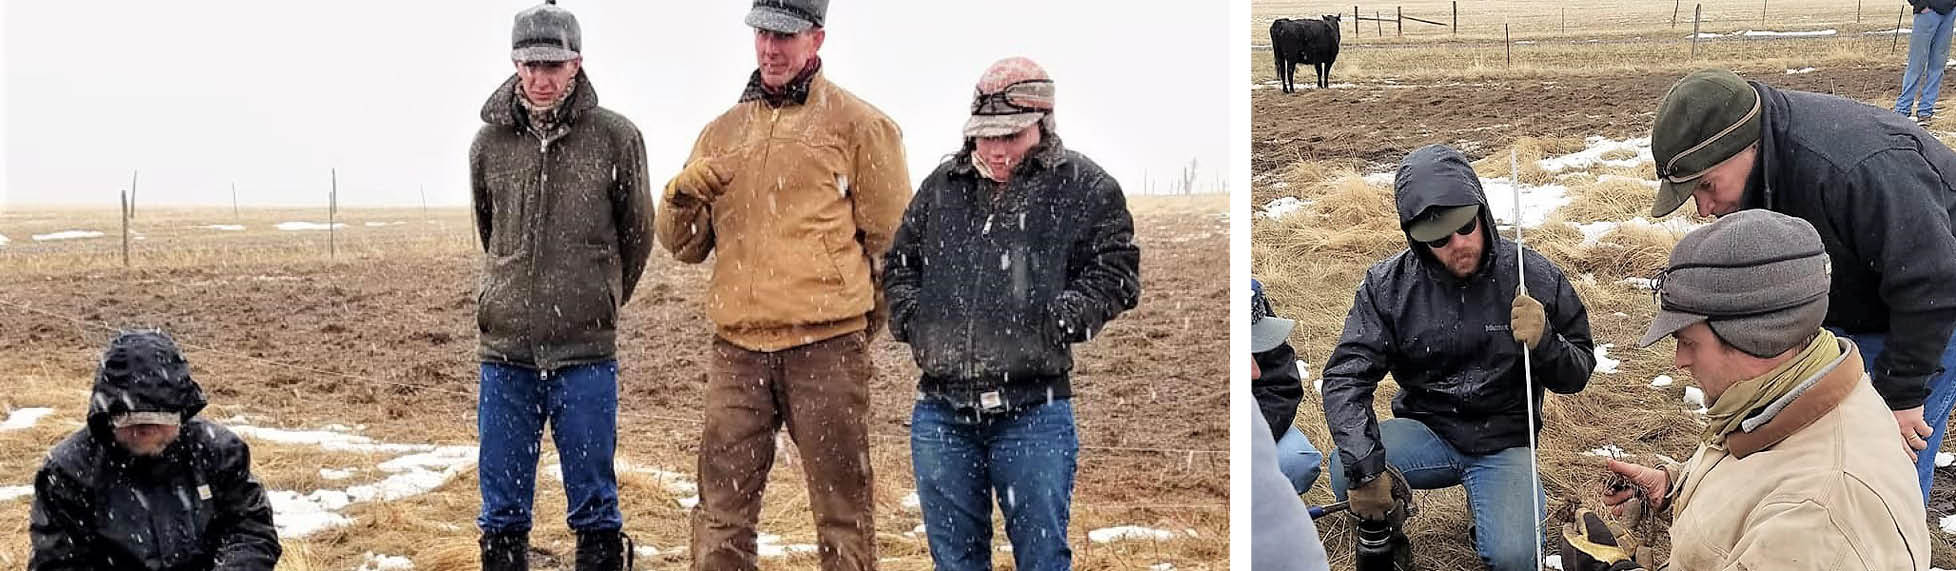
(505, 551)
(603, 551)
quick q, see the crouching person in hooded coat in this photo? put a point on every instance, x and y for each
(1010, 252)
(148, 485)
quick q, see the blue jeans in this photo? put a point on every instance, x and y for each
(581, 404)
(1026, 456)
(1928, 51)
(1935, 409)
(1299, 460)
(1497, 489)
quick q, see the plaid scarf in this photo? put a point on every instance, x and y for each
(796, 91)
(546, 122)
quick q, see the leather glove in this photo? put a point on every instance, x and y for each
(1591, 544)
(700, 183)
(1372, 500)
(1525, 319)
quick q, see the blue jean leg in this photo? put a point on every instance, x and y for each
(1299, 460)
(1935, 408)
(1928, 47)
(948, 458)
(509, 419)
(1498, 488)
(584, 424)
(1026, 457)
(1035, 452)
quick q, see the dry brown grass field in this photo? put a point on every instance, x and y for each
(1394, 94)
(379, 341)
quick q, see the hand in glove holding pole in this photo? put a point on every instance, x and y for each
(1372, 501)
(1526, 320)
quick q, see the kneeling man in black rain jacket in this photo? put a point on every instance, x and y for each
(148, 485)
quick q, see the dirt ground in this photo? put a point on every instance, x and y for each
(381, 340)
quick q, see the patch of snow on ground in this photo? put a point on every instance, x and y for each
(331, 474)
(911, 502)
(380, 224)
(1799, 71)
(1606, 451)
(1553, 562)
(1694, 396)
(1164, 566)
(1282, 207)
(24, 418)
(3, 239)
(299, 516)
(1949, 524)
(331, 441)
(1645, 284)
(1901, 31)
(8, 493)
(299, 226)
(1604, 364)
(645, 550)
(920, 530)
(1537, 201)
(1661, 381)
(1380, 179)
(1944, 459)
(1129, 533)
(1593, 154)
(1773, 34)
(770, 546)
(67, 235)
(223, 227)
(1703, 36)
(379, 562)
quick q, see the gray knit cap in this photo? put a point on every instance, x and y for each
(1758, 278)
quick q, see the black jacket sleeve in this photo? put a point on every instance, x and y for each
(1279, 389)
(1566, 357)
(1897, 227)
(1108, 276)
(57, 525)
(1363, 356)
(246, 538)
(904, 264)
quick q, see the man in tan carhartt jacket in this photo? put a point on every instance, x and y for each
(799, 188)
(1798, 467)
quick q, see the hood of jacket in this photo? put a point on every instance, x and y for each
(142, 372)
(1439, 176)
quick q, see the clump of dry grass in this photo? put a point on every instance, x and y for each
(1610, 198)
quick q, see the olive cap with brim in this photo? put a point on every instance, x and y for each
(1758, 278)
(1267, 331)
(1439, 221)
(128, 419)
(787, 16)
(1705, 119)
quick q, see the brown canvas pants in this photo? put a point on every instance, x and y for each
(821, 392)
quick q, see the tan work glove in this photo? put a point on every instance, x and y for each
(1591, 544)
(1525, 319)
(700, 183)
(1372, 501)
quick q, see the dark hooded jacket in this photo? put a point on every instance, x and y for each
(1881, 192)
(565, 220)
(1279, 388)
(989, 286)
(1446, 340)
(194, 507)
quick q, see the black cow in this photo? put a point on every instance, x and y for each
(1309, 42)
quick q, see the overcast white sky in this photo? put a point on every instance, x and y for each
(273, 94)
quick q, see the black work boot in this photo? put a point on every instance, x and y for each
(609, 550)
(505, 551)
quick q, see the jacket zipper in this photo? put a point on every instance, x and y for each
(536, 249)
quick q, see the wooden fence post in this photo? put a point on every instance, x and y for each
(1697, 15)
(125, 228)
(132, 192)
(332, 214)
(1379, 22)
(1510, 45)
(1399, 19)
(1456, 17)
(1355, 21)
(1897, 37)
(234, 202)
(1675, 5)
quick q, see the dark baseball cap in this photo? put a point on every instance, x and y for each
(1439, 221)
(1705, 119)
(545, 33)
(788, 16)
(1267, 331)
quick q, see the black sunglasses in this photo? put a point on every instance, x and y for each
(1464, 230)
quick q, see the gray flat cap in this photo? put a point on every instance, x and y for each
(1757, 277)
(545, 33)
(788, 16)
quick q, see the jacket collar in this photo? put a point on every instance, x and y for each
(1759, 187)
(1807, 407)
(1049, 154)
(794, 93)
(503, 109)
